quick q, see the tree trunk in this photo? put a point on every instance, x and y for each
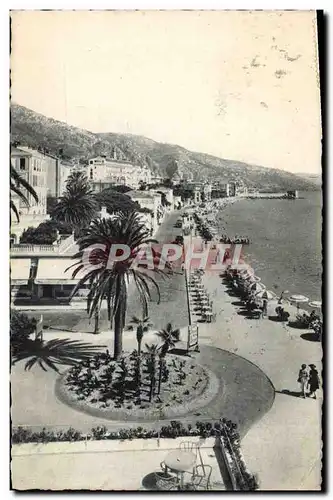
(152, 388)
(119, 318)
(96, 329)
(160, 376)
(118, 333)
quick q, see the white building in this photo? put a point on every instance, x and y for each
(33, 166)
(117, 172)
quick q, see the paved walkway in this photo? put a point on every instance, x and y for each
(284, 446)
(245, 394)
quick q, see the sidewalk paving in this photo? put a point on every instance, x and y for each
(284, 447)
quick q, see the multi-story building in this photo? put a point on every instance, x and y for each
(53, 169)
(206, 193)
(33, 166)
(150, 201)
(65, 170)
(168, 193)
(232, 189)
(199, 191)
(156, 179)
(116, 171)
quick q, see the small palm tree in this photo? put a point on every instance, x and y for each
(169, 337)
(111, 279)
(142, 326)
(152, 352)
(77, 207)
(18, 185)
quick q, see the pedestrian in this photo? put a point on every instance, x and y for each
(303, 377)
(313, 382)
(264, 307)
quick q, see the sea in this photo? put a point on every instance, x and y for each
(286, 247)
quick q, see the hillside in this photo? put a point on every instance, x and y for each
(35, 130)
(314, 178)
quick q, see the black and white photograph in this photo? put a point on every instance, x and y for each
(166, 318)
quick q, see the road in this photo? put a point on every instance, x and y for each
(172, 307)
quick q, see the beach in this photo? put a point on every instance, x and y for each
(285, 235)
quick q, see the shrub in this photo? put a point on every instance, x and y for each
(41, 235)
(21, 327)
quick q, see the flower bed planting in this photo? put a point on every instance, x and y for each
(133, 387)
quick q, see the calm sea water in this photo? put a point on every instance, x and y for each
(285, 248)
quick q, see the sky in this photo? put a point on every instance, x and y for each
(238, 85)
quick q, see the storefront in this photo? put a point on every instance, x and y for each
(54, 279)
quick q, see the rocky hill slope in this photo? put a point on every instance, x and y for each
(35, 130)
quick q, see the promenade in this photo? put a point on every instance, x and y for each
(282, 447)
(280, 442)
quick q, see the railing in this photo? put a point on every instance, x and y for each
(30, 248)
(235, 465)
(66, 243)
(59, 247)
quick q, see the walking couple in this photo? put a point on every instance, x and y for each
(308, 379)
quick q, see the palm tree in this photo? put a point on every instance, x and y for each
(169, 337)
(77, 207)
(110, 280)
(18, 185)
(152, 351)
(53, 353)
(142, 326)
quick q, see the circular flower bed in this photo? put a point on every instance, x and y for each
(134, 388)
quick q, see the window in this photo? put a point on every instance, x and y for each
(91, 173)
(22, 163)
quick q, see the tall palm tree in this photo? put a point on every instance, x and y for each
(169, 337)
(77, 207)
(142, 326)
(111, 279)
(18, 185)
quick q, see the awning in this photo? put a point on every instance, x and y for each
(20, 271)
(53, 272)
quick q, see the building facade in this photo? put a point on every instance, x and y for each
(233, 191)
(117, 172)
(33, 166)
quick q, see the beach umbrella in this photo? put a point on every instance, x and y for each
(298, 299)
(316, 304)
(281, 296)
(265, 294)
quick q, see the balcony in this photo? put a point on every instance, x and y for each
(66, 245)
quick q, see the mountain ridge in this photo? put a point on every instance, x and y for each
(36, 130)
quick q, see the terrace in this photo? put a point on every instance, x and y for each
(105, 465)
(65, 245)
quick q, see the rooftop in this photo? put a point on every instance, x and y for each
(140, 194)
(26, 151)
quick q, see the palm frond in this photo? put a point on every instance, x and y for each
(17, 179)
(54, 352)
